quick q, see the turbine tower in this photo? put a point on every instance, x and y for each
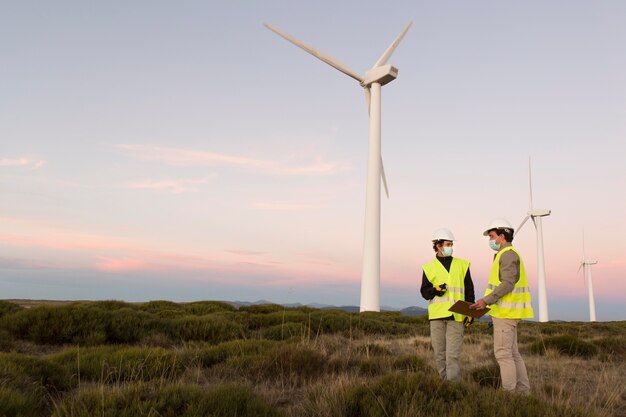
(586, 266)
(380, 74)
(536, 215)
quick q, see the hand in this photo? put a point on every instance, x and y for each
(440, 289)
(467, 321)
(478, 305)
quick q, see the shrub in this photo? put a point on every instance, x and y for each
(284, 331)
(111, 364)
(424, 395)
(262, 308)
(487, 376)
(7, 343)
(611, 348)
(286, 363)
(201, 308)
(169, 401)
(410, 363)
(7, 307)
(157, 306)
(566, 345)
(212, 329)
(31, 383)
(16, 403)
(215, 354)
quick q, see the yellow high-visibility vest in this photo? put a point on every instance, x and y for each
(517, 303)
(455, 283)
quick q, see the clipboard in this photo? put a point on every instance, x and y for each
(462, 307)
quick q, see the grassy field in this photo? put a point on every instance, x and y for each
(160, 358)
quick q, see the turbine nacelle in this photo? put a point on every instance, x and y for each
(381, 75)
(539, 212)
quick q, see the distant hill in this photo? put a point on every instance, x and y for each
(408, 311)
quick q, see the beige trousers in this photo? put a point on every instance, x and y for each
(512, 366)
(446, 337)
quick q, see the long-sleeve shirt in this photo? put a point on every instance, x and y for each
(428, 291)
(509, 275)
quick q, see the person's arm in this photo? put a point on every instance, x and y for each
(509, 275)
(427, 289)
(469, 287)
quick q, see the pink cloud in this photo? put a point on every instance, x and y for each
(187, 157)
(121, 265)
(173, 186)
(281, 205)
(22, 163)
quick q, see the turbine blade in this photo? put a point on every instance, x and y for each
(319, 55)
(581, 265)
(382, 175)
(530, 185)
(385, 56)
(534, 222)
(520, 226)
(368, 98)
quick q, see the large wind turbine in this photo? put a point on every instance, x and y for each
(380, 74)
(586, 266)
(536, 215)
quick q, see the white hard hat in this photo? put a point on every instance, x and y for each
(443, 234)
(498, 223)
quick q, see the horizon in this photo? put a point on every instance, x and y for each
(158, 151)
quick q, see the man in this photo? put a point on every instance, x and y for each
(444, 281)
(508, 296)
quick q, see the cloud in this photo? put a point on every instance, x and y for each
(22, 163)
(172, 186)
(121, 265)
(188, 158)
(281, 205)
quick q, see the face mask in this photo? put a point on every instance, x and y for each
(446, 251)
(493, 245)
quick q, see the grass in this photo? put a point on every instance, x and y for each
(208, 358)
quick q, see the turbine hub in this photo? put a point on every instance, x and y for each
(381, 75)
(539, 212)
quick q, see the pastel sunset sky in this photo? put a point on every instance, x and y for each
(182, 151)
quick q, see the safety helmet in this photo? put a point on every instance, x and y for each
(443, 234)
(498, 223)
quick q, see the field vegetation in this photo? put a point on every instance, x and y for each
(116, 359)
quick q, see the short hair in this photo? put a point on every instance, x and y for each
(439, 242)
(507, 232)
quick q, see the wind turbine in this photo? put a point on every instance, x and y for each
(586, 266)
(380, 74)
(536, 215)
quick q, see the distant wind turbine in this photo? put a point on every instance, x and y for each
(380, 74)
(536, 215)
(586, 266)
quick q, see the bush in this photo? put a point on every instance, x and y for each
(284, 331)
(15, 403)
(111, 364)
(169, 401)
(410, 363)
(31, 383)
(262, 308)
(566, 345)
(7, 307)
(289, 364)
(424, 395)
(201, 308)
(216, 354)
(212, 329)
(79, 323)
(611, 348)
(487, 376)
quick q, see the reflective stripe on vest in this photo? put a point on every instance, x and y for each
(516, 304)
(455, 284)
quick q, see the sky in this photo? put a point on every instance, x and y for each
(158, 150)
